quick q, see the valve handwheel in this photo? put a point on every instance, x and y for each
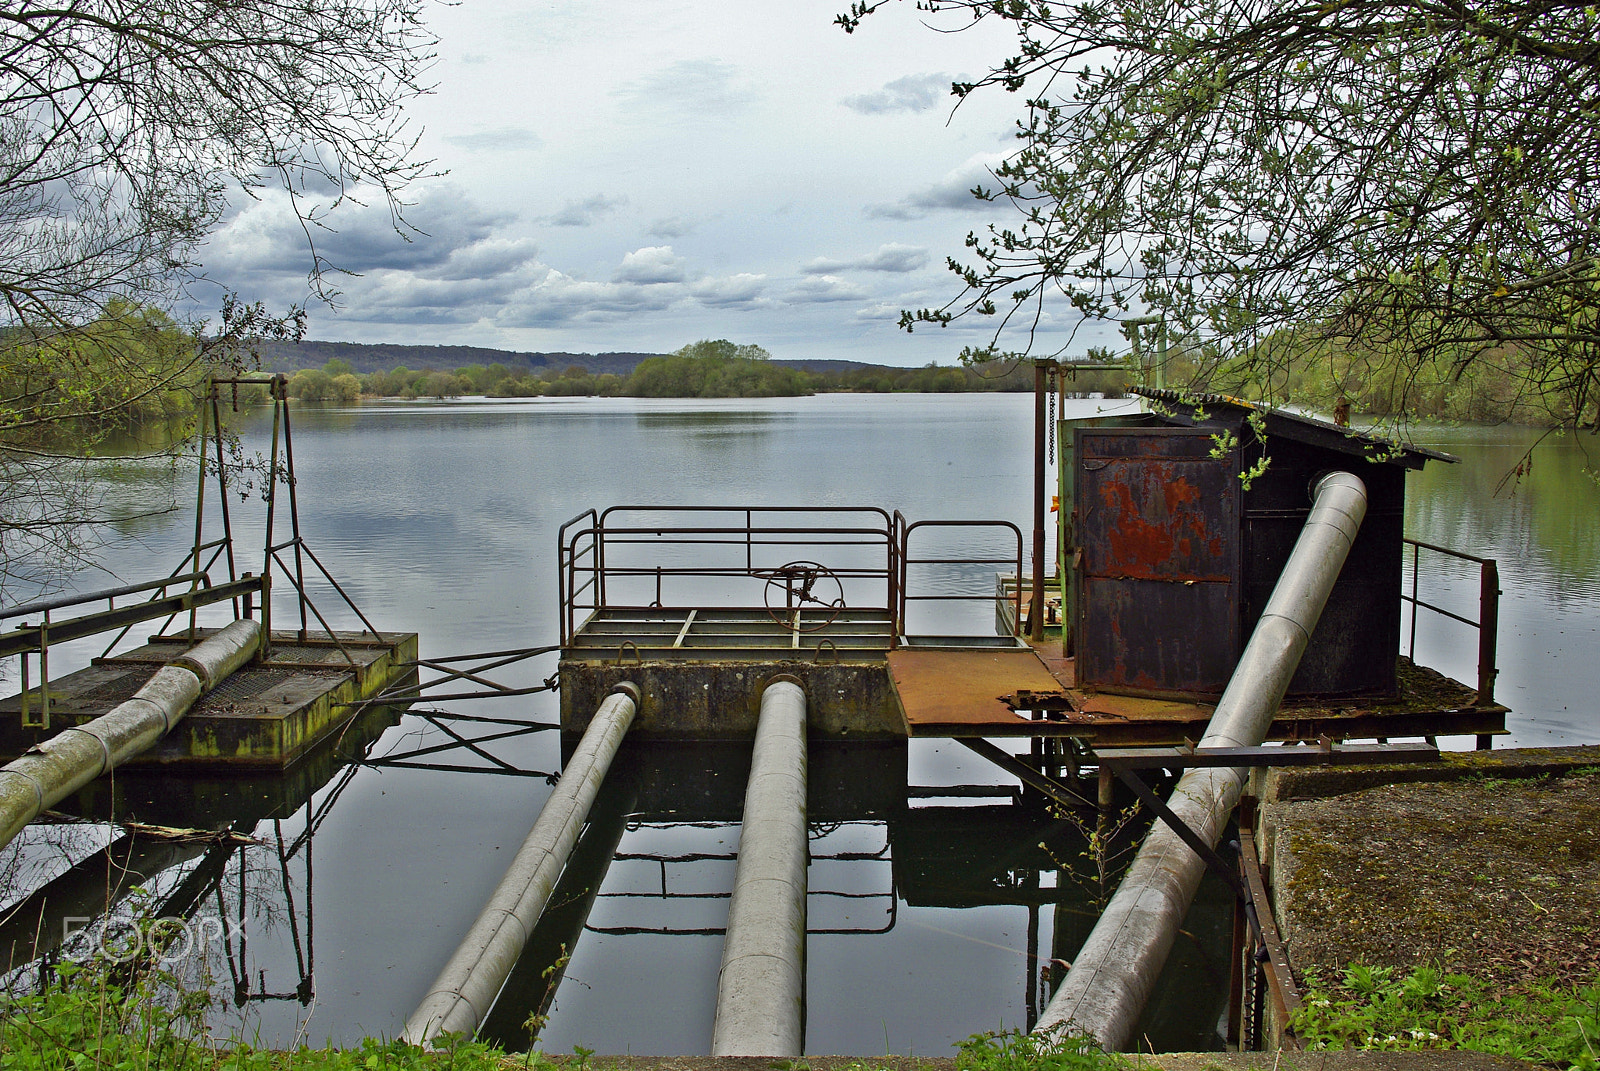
(803, 586)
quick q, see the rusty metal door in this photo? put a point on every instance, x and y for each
(1157, 571)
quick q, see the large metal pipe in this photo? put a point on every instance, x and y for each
(761, 990)
(1111, 977)
(467, 986)
(59, 766)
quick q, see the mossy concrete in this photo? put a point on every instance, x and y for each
(1492, 871)
(265, 715)
(1321, 782)
(722, 700)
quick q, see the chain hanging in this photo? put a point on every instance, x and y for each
(1051, 383)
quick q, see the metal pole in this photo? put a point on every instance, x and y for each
(467, 986)
(1036, 598)
(1112, 975)
(1488, 631)
(761, 990)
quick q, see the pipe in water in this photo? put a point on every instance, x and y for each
(467, 986)
(59, 766)
(1110, 980)
(761, 988)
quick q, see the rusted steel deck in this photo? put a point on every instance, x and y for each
(1021, 692)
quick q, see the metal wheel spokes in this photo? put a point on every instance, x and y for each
(803, 595)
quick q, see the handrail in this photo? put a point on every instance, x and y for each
(1488, 623)
(591, 542)
(32, 638)
(594, 570)
(906, 560)
(61, 602)
(566, 572)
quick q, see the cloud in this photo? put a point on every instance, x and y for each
(913, 93)
(652, 264)
(879, 311)
(892, 257)
(505, 139)
(953, 192)
(490, 257)
(587, 212)
(559, 298)
(730, 291)
(824, 288)
(699, 87)
(265, 236)
(670, 227)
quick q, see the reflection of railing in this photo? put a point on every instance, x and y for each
(36, 639)
(903, 532)
(666, 893)
(1488, 623)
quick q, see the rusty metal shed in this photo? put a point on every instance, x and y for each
(1169, 557)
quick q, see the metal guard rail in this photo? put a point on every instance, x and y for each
(29, 638)
(584, 569)
(1488, 623)
(587, 549)
(904, 531)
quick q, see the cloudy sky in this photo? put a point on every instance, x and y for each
(639, 174)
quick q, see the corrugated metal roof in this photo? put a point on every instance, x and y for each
(1294, 426)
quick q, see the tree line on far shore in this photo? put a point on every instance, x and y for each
(707, 369)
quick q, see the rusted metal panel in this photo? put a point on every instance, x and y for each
(964, 692)
(1157, 518)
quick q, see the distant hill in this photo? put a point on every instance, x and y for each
(381, 357)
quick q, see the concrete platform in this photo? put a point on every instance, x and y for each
(266, 715)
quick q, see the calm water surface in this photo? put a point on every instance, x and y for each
(441, 519)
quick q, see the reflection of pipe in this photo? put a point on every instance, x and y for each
(466, 988)
(1111, 978)
(762, 988)
(66, 762)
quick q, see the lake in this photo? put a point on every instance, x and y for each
(440, 518)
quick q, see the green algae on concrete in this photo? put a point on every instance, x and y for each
(264, 715)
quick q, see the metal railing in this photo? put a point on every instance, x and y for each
(692, 557)
(648, 557)
(1487, 624)
(903, 532)
(35, 639)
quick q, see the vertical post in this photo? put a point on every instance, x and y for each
(1488, 630)
(200, 505)
(1411, 653)
(1036, 597)
(44, 671)
(222, 482)
(294, 517)
(276, 388)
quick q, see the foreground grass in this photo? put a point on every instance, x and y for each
(1541, 1021)
(95, 1018)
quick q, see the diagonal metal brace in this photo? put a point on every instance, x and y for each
(1025, 773)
